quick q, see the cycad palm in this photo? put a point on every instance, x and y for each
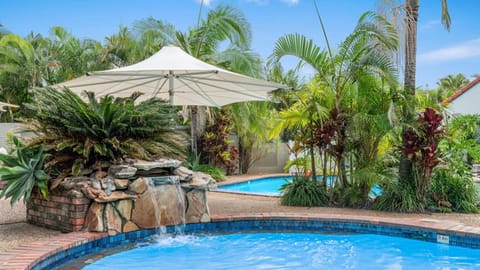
(81, 134)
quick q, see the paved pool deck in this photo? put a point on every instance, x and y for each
(41, 243)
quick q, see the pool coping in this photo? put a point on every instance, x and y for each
(28, 255)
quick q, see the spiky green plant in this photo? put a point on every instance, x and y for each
(82, 133)
(216, 172)
(303, 191)
(398, 197)
(22, 172)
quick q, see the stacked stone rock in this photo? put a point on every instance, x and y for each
(122, 200)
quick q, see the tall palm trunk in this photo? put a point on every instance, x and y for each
(312, 153)
(411, 9)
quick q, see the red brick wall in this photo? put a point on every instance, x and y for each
(60, 212)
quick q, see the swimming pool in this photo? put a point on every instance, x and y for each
(290, 251)
(271, 186)
(280, 224)
(263, 186)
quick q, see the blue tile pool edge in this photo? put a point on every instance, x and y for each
(271, 224)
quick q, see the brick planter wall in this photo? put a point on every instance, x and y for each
(60, 212)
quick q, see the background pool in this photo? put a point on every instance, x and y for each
(268, 185)
(290, 251)
(271, 186)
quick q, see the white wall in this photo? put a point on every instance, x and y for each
(273, 161)
(468, 102)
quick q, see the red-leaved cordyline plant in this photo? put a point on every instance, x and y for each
(421, 147)
(217, 146)
(330, 137)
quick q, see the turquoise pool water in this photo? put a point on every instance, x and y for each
(271, 186)
(267, 185)
(290, 251)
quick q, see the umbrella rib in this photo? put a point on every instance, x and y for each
(130, 86)
(116, 81)
(233, 81)
(157, 89)
(201, 93)
(226, 89)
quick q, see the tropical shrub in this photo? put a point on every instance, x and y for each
(217, 146)
(452, 192)
(398, 197)
(216, 172)
(193, 163)
(303, 191)
(452, 187)
(420, 146)
(80, 133)
(23, 172)
(343, 115)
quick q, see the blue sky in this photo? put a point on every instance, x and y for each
(439, 52)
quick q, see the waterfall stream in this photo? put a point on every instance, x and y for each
(168, 201)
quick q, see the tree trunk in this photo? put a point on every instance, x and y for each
(312, 160)
(324, 169)
(244, 159)
(199, 124)
(411, 9)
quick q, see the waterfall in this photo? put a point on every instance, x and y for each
(180, 228)
(169, 203)
(161, 230)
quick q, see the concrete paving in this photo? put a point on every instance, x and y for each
(14, 230)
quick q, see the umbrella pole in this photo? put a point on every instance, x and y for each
(170, 86)
(193, 134)
(193, 121)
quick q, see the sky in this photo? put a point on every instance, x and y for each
(439, 52)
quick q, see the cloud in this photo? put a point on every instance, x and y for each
(464, 50)
(291, 2)
(205, 2)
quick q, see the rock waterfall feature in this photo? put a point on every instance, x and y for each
(138, 195)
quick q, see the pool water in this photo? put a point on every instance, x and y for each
(290, 251)
(271, 186)
(267, 186)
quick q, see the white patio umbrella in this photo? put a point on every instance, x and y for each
(175, 75)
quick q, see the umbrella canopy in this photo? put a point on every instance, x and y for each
(171, 73)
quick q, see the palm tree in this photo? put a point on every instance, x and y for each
(339, 74)
(449, 84)
(411, 21)
(68, 57)
(20, 69)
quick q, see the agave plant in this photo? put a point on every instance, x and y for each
(21, 173)
(84, 133)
